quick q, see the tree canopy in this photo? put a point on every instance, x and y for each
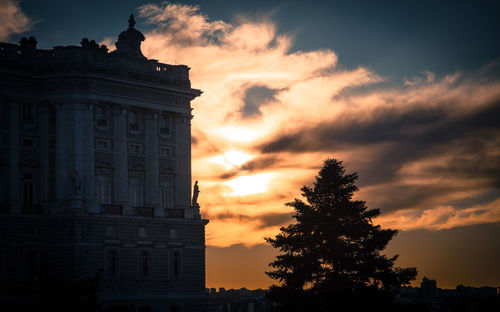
(331, 257)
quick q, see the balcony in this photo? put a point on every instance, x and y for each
(112, 209)
(32, 209)
(145, 211)
(175, 213)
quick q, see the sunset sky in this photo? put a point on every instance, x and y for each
(406, 94)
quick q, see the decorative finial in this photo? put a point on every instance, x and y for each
(131, 21)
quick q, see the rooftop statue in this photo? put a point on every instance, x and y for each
(196, 192)
(129, 41)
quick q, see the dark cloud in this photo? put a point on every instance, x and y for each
(410, 135)
(255, 98)
(256, 164)
(420, 125)
(273, 219)
(391, 139)
(264, 220)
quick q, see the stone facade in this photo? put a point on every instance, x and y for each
(95, 165)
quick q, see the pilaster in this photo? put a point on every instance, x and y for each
(183, 161)
(152, 182)
(61, 153)
(120, 172)
(43, 139)
(14, 139)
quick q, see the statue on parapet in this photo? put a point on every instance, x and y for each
(196, 192)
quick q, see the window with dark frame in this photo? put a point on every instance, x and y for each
(144, 264)
(176, 265)
(133, 121)
(166, 152)
(101, 116)
(173, 233)
(52, 187)
(28, 142)
(28, 193)
(111, 231)
(143, 231)
(28, 113)
(102, 145)
(32, 264)
(164, 124)
(31, 231)
(112, 263)
(135, 148)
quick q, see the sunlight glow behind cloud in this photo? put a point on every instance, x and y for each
(248, 185)
(231, 159)
(423, 149)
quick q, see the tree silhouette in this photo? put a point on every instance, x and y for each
(330, 259)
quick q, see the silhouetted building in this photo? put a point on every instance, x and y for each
(430, 298)
(428, 288)
(95, 166)
(238, 300)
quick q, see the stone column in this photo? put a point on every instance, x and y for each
(120, 171)
(61, 153)
(14, 139)
(183, 161)
(152, 182)
(44, 152)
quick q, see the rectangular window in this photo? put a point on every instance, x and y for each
(176, 264)
(135, 192)
(143, 231)
(28, 114)
(52, 187)
(164, 197)
(164, 124)
(103, 189)
(166, 152)
(167, 193)
(111, 231)
(173, 233)
(135, 149)
(28, 142)
(144, 264)
(133, 121)
(102, 145)
(101, 117)
(31, 264)
(28, 193)
(112, 263)
(31, 231)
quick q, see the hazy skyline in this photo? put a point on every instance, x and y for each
(409, 97)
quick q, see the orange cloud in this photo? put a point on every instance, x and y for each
(427, 151)
(13, 20)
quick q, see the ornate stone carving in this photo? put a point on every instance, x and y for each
(129, 41)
